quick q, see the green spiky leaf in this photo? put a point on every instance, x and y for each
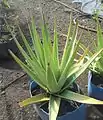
(34, 99)
(54, 105)
(69, 95)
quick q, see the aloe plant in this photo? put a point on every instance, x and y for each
(97, 64)
(53, 75)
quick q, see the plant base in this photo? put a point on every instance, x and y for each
(74, 112)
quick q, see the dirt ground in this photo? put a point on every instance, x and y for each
(11, 94)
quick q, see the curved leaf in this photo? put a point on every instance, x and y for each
(69, 95)
(38, 47)
(34, 99)
(54, 105)
(67, 47)
(28, 70)
(52, 83)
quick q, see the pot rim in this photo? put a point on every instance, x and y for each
(90, 74)
(82, 105)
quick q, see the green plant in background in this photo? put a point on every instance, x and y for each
(5, 3)
(97, 64)
(5, 35)
(53, 75)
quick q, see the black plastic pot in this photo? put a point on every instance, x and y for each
(4, 46)
(77, 113)
(94, 89)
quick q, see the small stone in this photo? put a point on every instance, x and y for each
(0, 81)
(3, 92)
(1, 75)
(67, 10)
(86, 86)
